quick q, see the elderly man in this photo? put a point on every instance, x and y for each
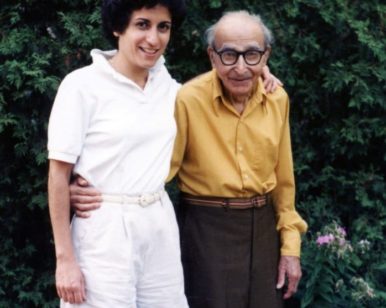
(234, 163)
(239, 228)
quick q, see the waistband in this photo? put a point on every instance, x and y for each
(257, 201)
(143, 200)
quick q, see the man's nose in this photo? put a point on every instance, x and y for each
(240, 64)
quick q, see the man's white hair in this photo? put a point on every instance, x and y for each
(210, 32)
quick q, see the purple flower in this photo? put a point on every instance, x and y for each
(342, 242)
(342, 231)
(324, 239)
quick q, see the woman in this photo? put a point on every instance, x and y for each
(111, 118)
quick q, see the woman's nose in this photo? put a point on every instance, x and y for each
(152, 36)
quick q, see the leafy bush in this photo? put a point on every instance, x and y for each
(338, 271)
(330, 55)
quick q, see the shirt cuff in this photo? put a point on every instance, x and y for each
(66, 157)
(290, 225)
(290, 243)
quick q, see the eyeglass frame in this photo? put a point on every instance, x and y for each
(238, 54)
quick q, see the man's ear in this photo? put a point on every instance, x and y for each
(266, 55)
(210, 52)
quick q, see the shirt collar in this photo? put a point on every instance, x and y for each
(101, 60)
(258, 96)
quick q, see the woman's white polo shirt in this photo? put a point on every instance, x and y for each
(120, 137)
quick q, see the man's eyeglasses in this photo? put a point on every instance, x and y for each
(231, 56)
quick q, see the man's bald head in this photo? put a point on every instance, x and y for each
(238, 20)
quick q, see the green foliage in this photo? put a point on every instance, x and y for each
(334, 268)
(37, 48)
(331, 57)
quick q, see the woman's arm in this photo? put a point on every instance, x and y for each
(69, 279)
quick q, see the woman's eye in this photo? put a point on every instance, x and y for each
(143, 25)
(164, 27)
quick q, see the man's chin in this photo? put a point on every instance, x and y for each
(240, 91)
(241, 86)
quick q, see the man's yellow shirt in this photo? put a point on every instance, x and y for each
(219, 152)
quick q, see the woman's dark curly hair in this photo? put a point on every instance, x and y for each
(116, 14)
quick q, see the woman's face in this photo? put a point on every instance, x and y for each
(145, 38)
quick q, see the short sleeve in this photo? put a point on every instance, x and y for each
(68, 121)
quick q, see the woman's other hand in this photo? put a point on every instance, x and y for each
(70, 282)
